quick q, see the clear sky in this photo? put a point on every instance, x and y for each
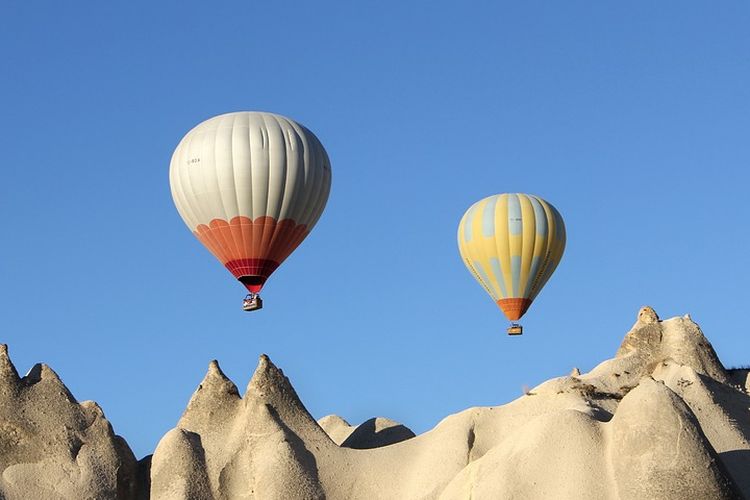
(632, 118)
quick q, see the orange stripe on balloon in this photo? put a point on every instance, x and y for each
(211, 241)
(286, 238)
(245, 239)
(514, 308)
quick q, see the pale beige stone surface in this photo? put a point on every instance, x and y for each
(373, 433)
(663, 419)
(660, 420)
(52, 447)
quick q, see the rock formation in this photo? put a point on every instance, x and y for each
(663, 419)
(373, 433)
(52, 447)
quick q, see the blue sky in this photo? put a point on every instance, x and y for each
(631, 118)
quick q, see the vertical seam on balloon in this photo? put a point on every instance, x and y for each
(484, 278)
(488, 223)
(327, 179)
(515, 270)
(527, 226)
(278, 234)
(542, 249)
(502, 291)
(320, 183)
(550, 263)
(533, 268)
(468, 255)
(233, 248)
(272, 244)
(325, 183)
(309, 161)
(318, 172)
(217, 173)
(238, 245)
(290, 234)
(264, 168)
(268, 245)
(530, 264)
(251, 161)
(179, 184)
(288, 239)
(323, 186)
(219, 232)
(202, 217)
(480, 248)
(245, 229)
(285, 203)
(559, 241)
(498, 274)
(539, 283)
(468, 235)
(283, 130)
(506, 230)
(244, 251)
(275, 244)
(294, 141)
(311, 156)
(178, 191)
(251, 190)
(308, 185)
(323, 189)
(199, 215)
(477, 255)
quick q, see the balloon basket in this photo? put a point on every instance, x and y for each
(252, 303)
(515, 329)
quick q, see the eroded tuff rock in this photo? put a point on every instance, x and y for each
(680, 340)
(659, 451)
(663, 419)
(258, 446)
(372, 433)
(53, 447)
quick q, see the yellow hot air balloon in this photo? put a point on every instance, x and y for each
(250, 186)
(512, 244)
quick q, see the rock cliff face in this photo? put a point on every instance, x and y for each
(663, 419)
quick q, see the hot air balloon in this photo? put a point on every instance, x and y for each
(512, 243)
(250, 186)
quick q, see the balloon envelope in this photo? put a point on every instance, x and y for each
(511, 243)
(250, 186)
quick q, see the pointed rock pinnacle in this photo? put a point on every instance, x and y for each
(269, 386)
(268, 379)
(647, 315)
(217, 382)
(8, 372)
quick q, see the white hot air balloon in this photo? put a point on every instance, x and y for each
(250, 186)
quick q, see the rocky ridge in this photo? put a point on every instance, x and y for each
(662, 419)
(52, 447)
